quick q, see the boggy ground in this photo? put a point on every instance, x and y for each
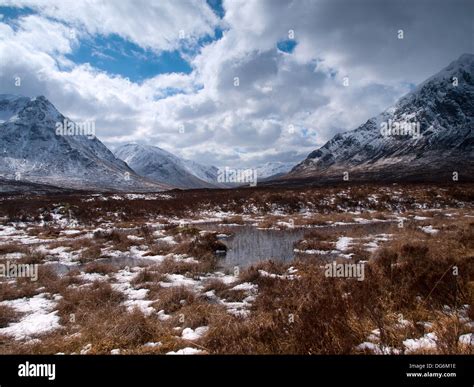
(139, 273)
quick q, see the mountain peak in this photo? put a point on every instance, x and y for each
(37, 109)
(136, 145)
(466, 57)
(457, 68)
(33, 150)
(162, 166)
(436, 121)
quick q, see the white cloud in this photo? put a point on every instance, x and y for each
(150, 24)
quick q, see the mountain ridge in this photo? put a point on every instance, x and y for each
(162, 166)
(443, 108)
(32, 150)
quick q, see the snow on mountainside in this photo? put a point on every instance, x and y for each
(162, 166)
(32, 151)
(273, 168)
(428, 130)
(10, 105)
(203, 172)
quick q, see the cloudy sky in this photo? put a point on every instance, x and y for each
(231, 83)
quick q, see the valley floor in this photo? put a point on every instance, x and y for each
(148, 273)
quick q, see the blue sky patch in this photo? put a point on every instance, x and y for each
(217, 7)
(202, 42)
(118, 56)
(8, 14)
(287, 45)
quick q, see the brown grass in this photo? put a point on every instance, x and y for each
(20, 289)
(411, 275)
(173, 298)
(118, 238)
(203, 248)
(85, 301)
(175, 266)
(152, 274)
(233, 220)
(291, 200)
(91, 253)
(32, 257)
(7, 315)
(199, 313)
(10, 248)
(159, 248)
(225, 292)
(307, 316)
(100, 267)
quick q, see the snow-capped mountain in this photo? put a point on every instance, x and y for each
(162, 166)
(427, 134)
(203, 172)
(10, 105)
(32, 150)
(272, 169)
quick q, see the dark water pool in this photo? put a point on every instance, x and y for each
(249, 245)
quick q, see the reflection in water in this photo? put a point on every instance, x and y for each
(246, 246)
(249, 245)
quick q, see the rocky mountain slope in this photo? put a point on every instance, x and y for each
(273, 168)
(31, 150)
(162, 166)
(427, 135)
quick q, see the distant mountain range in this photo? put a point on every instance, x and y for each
(427, 135)
(32, 151)
(160, 165)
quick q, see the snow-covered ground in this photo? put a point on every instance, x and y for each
(62, 241)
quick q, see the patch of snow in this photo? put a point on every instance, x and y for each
(194, 334)
(134, 238)
(153, 344)
(343, 243)
(39, 317)
(92, 277)
(180, 280)
(246, 286)
(163, 316)
(467, 339)
(264, 273)
(292, 270)
(86, 349)
(311, 251)
(70, 232)
(429, 230)
(377, 349)
(186, 351)
(226, 279)
(426, 342)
